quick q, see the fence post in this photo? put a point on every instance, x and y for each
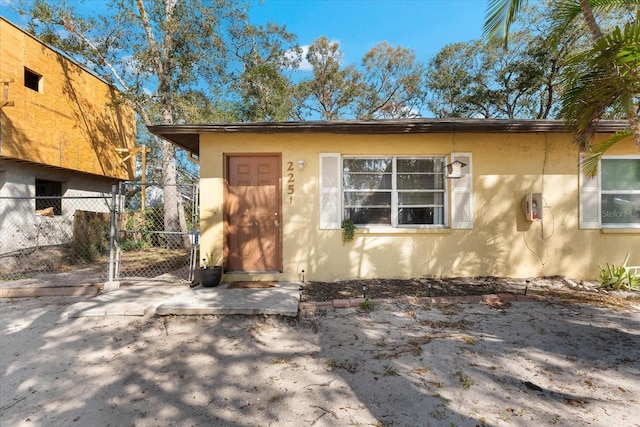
(111, 285)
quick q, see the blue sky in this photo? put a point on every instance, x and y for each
(424, 26)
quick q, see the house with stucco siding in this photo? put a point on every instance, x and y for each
(428, 198)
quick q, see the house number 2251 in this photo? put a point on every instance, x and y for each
(291, 179)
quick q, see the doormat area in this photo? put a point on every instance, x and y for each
(251, 285)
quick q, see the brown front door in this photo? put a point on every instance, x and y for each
(252, 213)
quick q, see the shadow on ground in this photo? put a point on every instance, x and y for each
(399, 365)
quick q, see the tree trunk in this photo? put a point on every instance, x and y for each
(172, 198)
(174, 219)
(634, 123)
(587, 13)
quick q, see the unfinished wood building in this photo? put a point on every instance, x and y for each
(63, 130)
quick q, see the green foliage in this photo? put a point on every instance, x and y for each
(393, 83)
(590, 162)
(600, 81)
(154, 222)
(143, 229)
(131, 241)
(366, 305)
(623, 277)
(174, 62)
(348, 231)
(333, 89)
(389, 84)
(210, 260)
(491, 80)
(499, 17)
(266, 94)
(130, 244)
(265, 53)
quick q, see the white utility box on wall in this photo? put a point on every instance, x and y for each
(533, 206)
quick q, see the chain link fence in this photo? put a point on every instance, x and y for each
(53, 234)
(62, 241)
(151, 242)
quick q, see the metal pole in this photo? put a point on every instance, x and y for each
(143, 200)
(112, 233)
(119, 207)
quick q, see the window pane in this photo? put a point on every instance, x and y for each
(367, 165)
(420, 181)
(367, 181)
(420, 165)
(620, 174)
(621, 208)
(412, 187)
(369, 216)
(362, 198)
(420, 216)
(420, 198)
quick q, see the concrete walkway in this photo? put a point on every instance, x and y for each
(282, 299)
(161, 299)
(170, 298)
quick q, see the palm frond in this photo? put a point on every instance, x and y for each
(499, 16)
(589, 163)
(628, 39)
(567, 11)
(601, 79)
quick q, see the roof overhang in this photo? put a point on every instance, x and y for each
(187, 136)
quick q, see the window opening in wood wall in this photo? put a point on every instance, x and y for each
(32, 80)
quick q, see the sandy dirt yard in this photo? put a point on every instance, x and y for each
(525, 364)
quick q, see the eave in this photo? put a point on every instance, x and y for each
(187, 136)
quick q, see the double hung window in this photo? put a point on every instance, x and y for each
(620, 192)
(612, 198)
(394, 191)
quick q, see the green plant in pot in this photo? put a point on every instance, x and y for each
(210, 271)
(348, 231)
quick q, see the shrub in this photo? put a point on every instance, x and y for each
(622, 277)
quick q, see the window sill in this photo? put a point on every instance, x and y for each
(620, 230)
(392, 230)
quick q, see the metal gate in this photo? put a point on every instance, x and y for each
(146, 245)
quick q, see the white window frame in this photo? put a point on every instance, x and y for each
(394, 192)
(601, 192)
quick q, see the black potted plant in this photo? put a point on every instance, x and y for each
(210, 272)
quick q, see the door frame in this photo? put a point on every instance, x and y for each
(225, 178)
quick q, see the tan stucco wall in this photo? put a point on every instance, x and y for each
(502, 243)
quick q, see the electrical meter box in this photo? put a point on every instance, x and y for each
(533, 206)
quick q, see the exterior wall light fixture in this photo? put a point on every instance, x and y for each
(301, 164)
(454, 169)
